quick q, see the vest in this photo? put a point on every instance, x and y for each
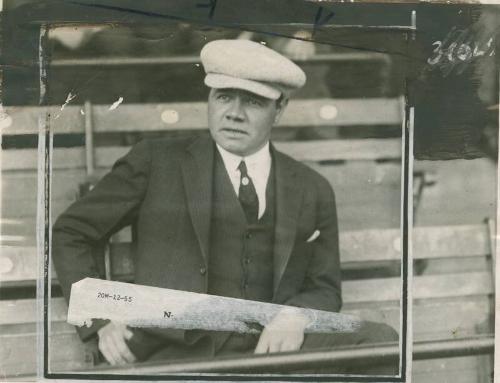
(241, 255)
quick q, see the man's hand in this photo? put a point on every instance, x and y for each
(284, 333)
(112, 344)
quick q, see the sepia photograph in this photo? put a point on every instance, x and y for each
(289, 190)
(187, 174)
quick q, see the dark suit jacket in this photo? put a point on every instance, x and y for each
(166, 187)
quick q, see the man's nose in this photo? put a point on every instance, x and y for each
(236, 111)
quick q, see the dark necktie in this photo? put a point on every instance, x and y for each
(247, 195)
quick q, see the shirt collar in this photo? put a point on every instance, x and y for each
(260, 158)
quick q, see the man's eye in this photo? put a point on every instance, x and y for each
(223, 97)
(254, 102)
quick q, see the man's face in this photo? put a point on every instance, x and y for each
(241, 121)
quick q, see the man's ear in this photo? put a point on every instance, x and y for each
(280, 108)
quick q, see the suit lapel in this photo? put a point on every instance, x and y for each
(197, 171)
(288, 203)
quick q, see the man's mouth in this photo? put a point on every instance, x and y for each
(234, 131)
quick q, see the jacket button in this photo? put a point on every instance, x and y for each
(203, 271)
(248, 235)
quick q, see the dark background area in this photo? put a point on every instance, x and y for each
(456, 99)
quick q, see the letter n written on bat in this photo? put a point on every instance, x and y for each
(167, 314)
(321, 20)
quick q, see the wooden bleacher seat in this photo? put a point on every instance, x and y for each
(72, 166)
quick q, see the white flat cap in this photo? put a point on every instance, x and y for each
(247, 65)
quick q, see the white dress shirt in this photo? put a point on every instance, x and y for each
(258, 167)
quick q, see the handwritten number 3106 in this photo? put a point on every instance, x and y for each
(463, 52)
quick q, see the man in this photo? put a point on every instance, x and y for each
(226, 215)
